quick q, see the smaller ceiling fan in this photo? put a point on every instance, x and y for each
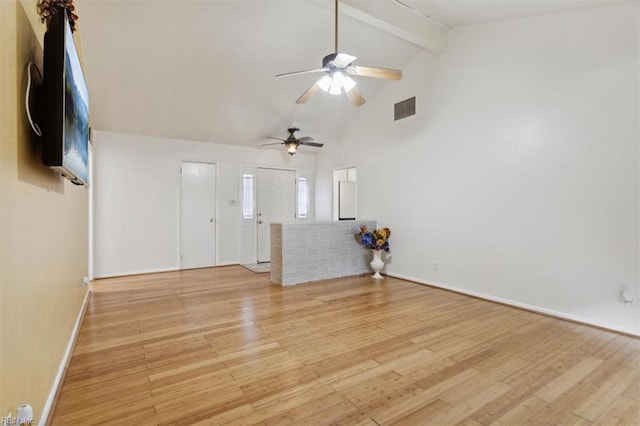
(292, 143)
(338, 68)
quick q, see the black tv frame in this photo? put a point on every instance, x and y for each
(65, 110)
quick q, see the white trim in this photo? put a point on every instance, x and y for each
(91, 213)
(335, 190)
(525, 306)
(228, 264)
(148, 271)
(423, 33)
(400, 20)
(57, 382)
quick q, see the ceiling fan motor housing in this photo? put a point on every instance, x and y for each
(337, 60)
(327, 61)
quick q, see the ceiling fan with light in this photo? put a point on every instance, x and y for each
(292, 143)
(338, 70)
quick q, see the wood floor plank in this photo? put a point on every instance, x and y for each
(380, 391)
(185, 406)
(422, 404)
(623, 411)
(522, 412)
(226, 417)
(633, 391)
(225, 346)
(459, 412)
(313, 409)
(284, 402)
(475, 385)
(517, 396)
(568, 379)
(419, 415)
(603, 397)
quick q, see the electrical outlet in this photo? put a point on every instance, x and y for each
(628, 298)
(436, 266)
(84, 282)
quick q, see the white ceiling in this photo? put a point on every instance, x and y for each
(205, 70)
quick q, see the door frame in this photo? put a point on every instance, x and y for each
(179, 208)
(248, 235)
(335, 192)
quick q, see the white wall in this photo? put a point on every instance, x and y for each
(519, 175)
(136, 189)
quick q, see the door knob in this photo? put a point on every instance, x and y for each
(212, 220)
(259, 221)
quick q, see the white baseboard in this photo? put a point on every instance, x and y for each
(525, 306)
(57, 382)
(139, 272)
(154, 271)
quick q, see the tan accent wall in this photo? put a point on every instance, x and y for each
(43, 231)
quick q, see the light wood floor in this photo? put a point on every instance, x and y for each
(224, 345)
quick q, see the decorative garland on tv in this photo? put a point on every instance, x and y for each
(48, 8)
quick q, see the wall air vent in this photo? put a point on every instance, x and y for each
(404, 108)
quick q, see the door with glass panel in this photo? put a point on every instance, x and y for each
(276, 202)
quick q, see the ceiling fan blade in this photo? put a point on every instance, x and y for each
(301, 72)
(306, 139)
(384, 73)
(306, 95)
(355, 96)
(267, 144)
(342, 60)
(278, 139)
(316, 144)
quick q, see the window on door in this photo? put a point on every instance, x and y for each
(303, 198)
(248, 196)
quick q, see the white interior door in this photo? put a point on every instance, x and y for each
(198, 215)
(276, 203)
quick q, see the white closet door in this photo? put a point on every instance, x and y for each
(198, 215)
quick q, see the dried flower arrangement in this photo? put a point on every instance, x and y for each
(48, 8)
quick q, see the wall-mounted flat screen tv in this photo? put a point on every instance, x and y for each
(66, 103)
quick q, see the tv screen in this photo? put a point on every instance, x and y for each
(66, 109)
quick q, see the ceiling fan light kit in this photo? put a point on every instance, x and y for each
(338, 67)
(336, 83)
(292, 147)
(292, 143)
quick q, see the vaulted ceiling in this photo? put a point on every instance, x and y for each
(205, 69)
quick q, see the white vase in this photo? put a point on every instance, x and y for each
(377, 264)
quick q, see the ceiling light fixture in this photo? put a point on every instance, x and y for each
(338, 68)
(335, 82)
(292, 147)
(292, 143)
